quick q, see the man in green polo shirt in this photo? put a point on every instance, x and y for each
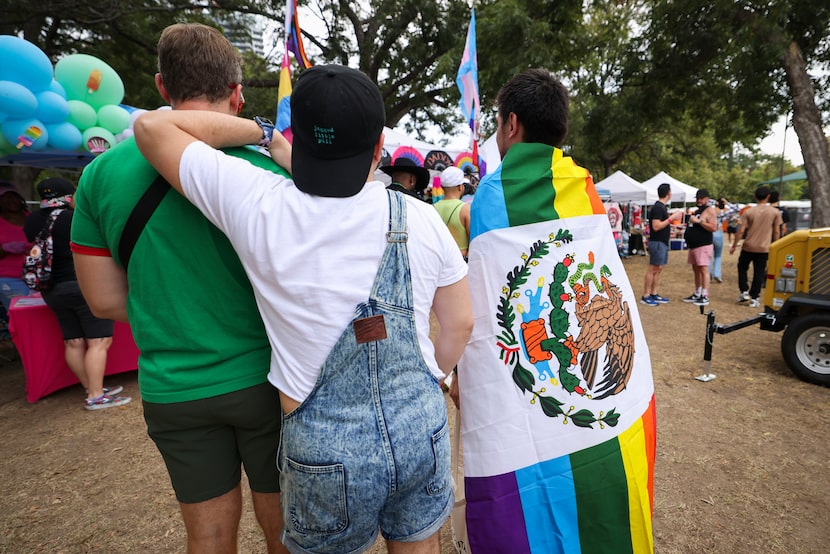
(204, 352)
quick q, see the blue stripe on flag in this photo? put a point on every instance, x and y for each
(549, 504)
(488, 210)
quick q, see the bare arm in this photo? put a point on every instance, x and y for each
(464, 218)
(659, 224)
(453, 308)
(708, 220)
(738, 234)
(162, 137)
(103, 284)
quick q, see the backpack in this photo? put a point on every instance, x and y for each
(37, 267)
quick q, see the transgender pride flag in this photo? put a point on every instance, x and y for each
(557, 397)
(467, 82)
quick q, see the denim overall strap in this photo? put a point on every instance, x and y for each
(395, 286)
(370, 446)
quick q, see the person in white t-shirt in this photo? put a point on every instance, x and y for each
(345, 274)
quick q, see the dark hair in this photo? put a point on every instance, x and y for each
(540, 102)
(762, 192)
(197, 61)
(774, 196)
(663, 190)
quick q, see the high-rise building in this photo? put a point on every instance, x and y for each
(245, 31)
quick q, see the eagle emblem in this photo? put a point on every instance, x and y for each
(570, 334)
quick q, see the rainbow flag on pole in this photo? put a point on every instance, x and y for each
(557, 396)
(283, 122)
(294, 39)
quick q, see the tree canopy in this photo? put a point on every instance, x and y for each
(686, 87)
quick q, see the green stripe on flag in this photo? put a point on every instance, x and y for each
(600, 485)
(527, 182)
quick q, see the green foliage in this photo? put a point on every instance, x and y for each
(655, 85)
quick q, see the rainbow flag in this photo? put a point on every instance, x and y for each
(283, 121)
(294, 38)
(557, 396)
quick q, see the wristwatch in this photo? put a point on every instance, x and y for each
(267, 130)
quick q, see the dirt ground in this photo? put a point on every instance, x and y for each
(742, 461)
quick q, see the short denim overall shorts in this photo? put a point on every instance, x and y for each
(370, 445)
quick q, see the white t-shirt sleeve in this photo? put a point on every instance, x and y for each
(452, 267)
(223, 187)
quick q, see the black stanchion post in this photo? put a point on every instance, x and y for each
(707, 347)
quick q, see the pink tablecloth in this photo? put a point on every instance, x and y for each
(37, 336)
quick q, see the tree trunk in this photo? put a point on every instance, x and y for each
(808, 128)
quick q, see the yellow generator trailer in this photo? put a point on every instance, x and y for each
(796, 301)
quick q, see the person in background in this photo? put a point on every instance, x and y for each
(762, 225)
(774, 197)
(659, 226)
(454, 212)
(698, 237)
(13, 246)
(346, 273)
(724, 211)
(732, 225)
(86, 338)
(203, 369)
(407, 177)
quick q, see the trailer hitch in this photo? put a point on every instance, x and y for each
(713, 328)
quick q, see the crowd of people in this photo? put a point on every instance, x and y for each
(281, 297)
(753, 227)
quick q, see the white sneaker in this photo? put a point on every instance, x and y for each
(754, 303)
(744, 297)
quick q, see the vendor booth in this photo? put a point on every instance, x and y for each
(37, 336)
(680, 191)
(624, 190)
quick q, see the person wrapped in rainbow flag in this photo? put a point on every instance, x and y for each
(556, 389)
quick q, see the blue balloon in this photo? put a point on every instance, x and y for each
(26, 133)
(51, 108)
(24, 63)
(16, 100)
(57, 88)
(64, 136)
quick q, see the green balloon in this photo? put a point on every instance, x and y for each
(113, 118)
(81, 115)
(89, 79)
(97, 140)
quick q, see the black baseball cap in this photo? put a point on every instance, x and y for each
(54, 187)
(337, 117)
(702, 193)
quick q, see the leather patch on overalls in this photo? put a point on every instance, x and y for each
(368, 329)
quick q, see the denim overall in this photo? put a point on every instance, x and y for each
(370, 445)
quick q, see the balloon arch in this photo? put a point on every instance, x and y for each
(75, 106)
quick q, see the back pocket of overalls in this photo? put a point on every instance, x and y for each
(441, 453)
(316, 498)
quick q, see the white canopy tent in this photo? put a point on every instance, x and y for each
(680, 191)
(624, 189)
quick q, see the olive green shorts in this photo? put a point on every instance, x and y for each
(204, 442)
